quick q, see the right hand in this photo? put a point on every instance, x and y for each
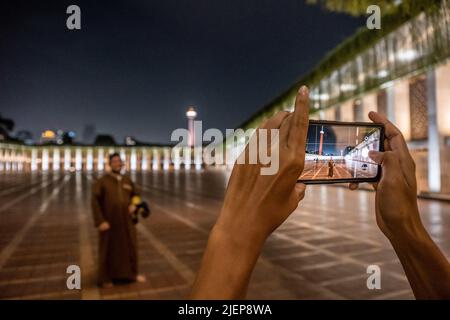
(396, 193)
(104, 226)
(259, 203)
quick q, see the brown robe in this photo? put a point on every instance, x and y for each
(330, 169)
(111, 196)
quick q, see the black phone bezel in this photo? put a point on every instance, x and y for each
(354, 180)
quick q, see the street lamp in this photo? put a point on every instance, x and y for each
(321, 141)
(191, 114)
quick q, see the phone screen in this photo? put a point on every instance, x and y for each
(339, 152)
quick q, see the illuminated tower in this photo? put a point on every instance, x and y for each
(321, 142)
(191, 114)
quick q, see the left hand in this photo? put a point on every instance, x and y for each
(255, 205)
(396, 193)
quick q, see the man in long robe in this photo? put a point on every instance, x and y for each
(330, 168)
(111, 208)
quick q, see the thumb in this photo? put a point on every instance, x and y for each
(388, 161)
(376, 156)
(300, 189)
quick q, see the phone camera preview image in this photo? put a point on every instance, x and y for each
(339, 152)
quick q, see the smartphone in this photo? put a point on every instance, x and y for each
(337, 152)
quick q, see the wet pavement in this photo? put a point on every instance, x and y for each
(321, 252)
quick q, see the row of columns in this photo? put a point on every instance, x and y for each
(32, 158)
(398, 112)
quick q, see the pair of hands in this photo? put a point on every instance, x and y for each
(255, 205)
(105, 226)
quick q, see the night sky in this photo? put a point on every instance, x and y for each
(136, 65)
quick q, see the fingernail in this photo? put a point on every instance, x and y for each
(304, 90)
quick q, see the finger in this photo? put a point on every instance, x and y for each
(353, 186)
(300, 190)
(275, 121)
(387, 147)
(393, 134)
(388, 160)
(397, 143)
(284, 129)
(376, 156)
(299, 125)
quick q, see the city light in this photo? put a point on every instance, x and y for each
(48, 134)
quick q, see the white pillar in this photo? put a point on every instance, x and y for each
(78, 160)
(166, 163)
(7, 160)
(89, 160)
(402, 114)
(443, 99)
(187, 158)
(155, 160)
(34, 159)
(2, 158)
(176, 157)
(390, 103)
(20, 160)
(14, 159)
(100, 160)
(123, 156)
(67, 159)
(198, 158)
(434, 154)
(56, 159)
(44, 159)
(144, 163)
(133, 160)
(442, 91)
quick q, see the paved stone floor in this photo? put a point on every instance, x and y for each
(321, 252)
